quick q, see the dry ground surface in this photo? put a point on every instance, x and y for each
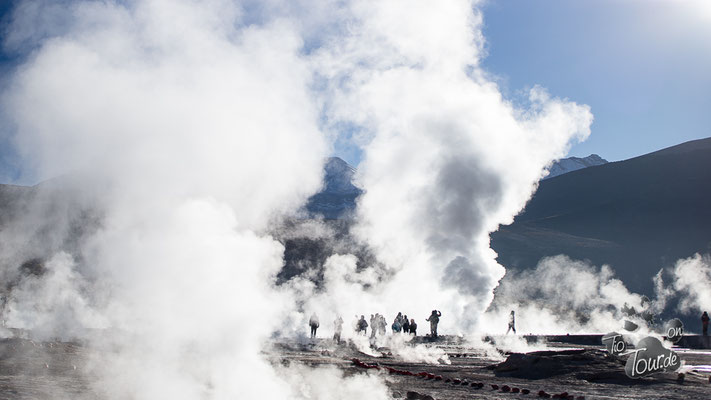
(585, 372)
(54, 370)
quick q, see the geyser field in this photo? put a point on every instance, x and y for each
(448, 368)
(170, 229)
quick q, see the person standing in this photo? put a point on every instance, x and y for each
(362, 325)
(434, 320)
(396, 326)
(313, 323)
(405, 324)
(413, 327)
(512, 323)
(337, 328)
(705, 323)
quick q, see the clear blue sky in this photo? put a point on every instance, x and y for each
(643, 66)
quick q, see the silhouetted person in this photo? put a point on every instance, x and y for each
(313, 323)
(337, 327)
(373, 325)
(705, 323)
(413, 327)
(434, 320)
(405, 324)
(512, 323)
(362, 325)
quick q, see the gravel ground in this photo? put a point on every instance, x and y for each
(54, 370)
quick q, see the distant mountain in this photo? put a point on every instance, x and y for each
(337, 198)
(637, 215)
(570, 164)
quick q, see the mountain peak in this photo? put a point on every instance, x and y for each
(338, 196)
(565, 165)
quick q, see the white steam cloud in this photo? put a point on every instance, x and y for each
(562, 296)
(196, 134)
(692, 280)
(197, 124)
(446, 158)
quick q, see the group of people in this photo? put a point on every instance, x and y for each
(378, 325)
(405, 325)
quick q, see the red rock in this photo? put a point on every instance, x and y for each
(506, 388)
(515, 390)
(495, 387)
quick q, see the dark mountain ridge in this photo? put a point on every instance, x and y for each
(637, 215)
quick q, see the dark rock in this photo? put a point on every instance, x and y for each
(585, 364)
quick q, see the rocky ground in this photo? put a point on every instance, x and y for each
(51, 370)
(560, 372)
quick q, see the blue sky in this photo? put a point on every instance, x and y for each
(643, 66)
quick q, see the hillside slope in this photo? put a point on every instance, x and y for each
(637, 215)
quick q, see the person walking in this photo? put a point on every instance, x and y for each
(705, 323)
(434, 320)
(512, 323)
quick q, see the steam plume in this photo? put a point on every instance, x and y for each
(195, 125)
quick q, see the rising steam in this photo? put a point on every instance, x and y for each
(196, 126)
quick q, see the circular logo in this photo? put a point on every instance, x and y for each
(674, 330)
